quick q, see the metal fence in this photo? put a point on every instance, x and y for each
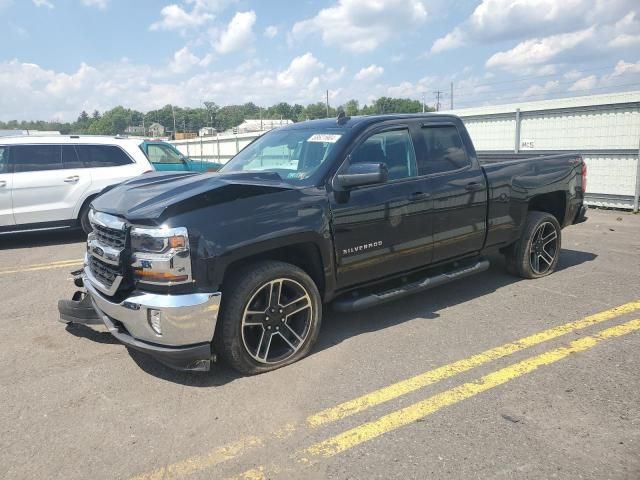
(605, 129)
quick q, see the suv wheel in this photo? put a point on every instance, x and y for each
(537, 252)
(271, 317)
(84, 219)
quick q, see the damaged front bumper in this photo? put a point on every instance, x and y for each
(181, 332)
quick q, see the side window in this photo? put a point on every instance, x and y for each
(96, 156)
(162, 154)
(34, 158)
(4, 159)
(70, 157)
(445, 151)
(393, 148)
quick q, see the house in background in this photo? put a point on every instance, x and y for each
(207, 132)
(156, 130)
(135, 130)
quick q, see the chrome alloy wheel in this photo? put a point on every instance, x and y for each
(543, 248)
(277, 320)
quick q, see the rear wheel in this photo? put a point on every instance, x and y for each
(537, 252)
(270, 318)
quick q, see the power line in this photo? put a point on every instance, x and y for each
(437, 93)
(532, 77)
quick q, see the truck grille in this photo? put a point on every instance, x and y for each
(109, 236)
(104, 273)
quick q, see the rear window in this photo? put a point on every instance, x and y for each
(445, 151)
(4, 159)
(35, 158)
(96, 156)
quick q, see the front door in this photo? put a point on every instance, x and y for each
(458, 190)
(164, 158)
(382, 229)
(6, 180)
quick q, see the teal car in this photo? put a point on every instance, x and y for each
(165, 157)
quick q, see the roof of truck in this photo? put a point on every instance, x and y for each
(360, 121)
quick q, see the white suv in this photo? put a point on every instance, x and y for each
(49, 182)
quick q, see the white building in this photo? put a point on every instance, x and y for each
(260, 125)
(207, 132)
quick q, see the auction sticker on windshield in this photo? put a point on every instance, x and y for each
(324, 138)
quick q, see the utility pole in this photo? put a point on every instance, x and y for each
(423, 103)
(451, 95)
(327, 103)
(437, 93)
(173, 112)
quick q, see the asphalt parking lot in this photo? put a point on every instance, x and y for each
(491, 377)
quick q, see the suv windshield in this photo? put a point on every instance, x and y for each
(294, 154)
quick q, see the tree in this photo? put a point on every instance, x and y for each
(352, 108)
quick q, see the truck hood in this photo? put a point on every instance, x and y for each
(155, 196)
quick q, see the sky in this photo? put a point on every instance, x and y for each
(59, 57)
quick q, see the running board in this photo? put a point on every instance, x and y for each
(351, 304)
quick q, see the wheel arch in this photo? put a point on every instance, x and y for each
(554, 203)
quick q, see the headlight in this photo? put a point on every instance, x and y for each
(161, 255)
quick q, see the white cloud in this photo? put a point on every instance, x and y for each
(101, 4)
(369, 73)
(238, 34)
(499, 20)
(623, 68)
(586, 83)
(189, 14)
(39, 93)
(43, 3)
(626, 32)
(542, 90)
(299, 71)
(183, 61)
(174, 17)
(362, 25)
(271, 31)
(537, 51)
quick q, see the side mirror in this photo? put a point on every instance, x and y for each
(360, 174)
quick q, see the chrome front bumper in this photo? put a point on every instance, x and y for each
(186, 319)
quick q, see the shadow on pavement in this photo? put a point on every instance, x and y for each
(41, 239)
(337, 327)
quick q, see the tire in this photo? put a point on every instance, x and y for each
(540, 227)
(84, 218)
(255, 332)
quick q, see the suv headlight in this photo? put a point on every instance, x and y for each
(161, 255)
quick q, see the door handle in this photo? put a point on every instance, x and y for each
(418, 196)
(3, 183)
(72, 179)
(474, 186)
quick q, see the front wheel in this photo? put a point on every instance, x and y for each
(537, 252)
(270, 317)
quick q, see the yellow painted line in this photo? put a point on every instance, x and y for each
(202, 462)
(43, 266)
(419, 410)
(199, 463)
(253, 474)
(430, 377)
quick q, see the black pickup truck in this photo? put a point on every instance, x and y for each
(354, 211)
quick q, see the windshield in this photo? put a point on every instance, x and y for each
(295, 155)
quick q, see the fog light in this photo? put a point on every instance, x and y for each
(155, 317)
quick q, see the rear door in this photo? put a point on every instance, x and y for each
(107, 165)
(383, 229)
(6, 182)
(457, 187)
(46, 189)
